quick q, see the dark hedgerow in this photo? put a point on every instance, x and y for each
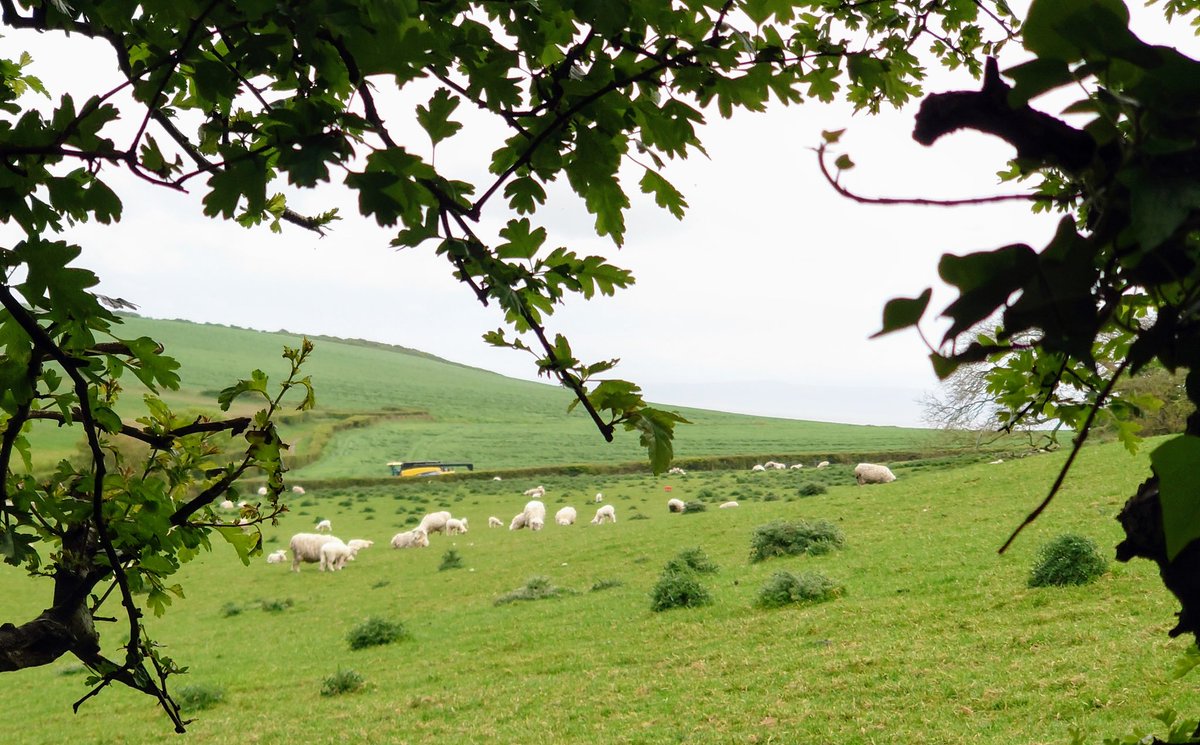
(375, 632)
(693, 559)
(678, 589)
(785, 588)
(781, 538)
(1068, 559)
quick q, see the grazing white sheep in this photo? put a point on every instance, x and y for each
(435, 522)
(297, 489)
(306, 548)
(495, 522)
(823, 464)
(994, 462)
(518, 521)
(758, 467)
(677, 471)
(335, 554)
(795, 466)
(536, 492)
(774, 465)
(262, 491)
(227, 505)
(599, 497)
(676, 505)
(415, 538)
(606, 514)
(455, 525)
(727, 505)
(497, 478)
(325, 526)
(873, 473)
(535, 514)
(277, 557)
(565, 516)
(358, 544)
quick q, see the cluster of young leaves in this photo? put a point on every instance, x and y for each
(1118, 287)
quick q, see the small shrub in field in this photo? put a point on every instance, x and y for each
(678, 589)
(375, 632)
(536, 588)
(781, 538)
(1069, 559)
(771, 497)
(230, 609)
(450, 560)
(638, 516)
(694, 506)
(606, 584)
(693, 559)
(198, 696)
(812, 490)
(368, 508)
(785, 588)
(343, 681)
(346, 503)
(276, 606)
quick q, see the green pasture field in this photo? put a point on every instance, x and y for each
(937, 639)
(378, 404)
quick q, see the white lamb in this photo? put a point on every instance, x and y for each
(306, 548)
(565, 516)
(823, 464)
(454, 526)
(415, 538)
(325, 526)
(676, 505)
(535, 514)
(677, 471)
(518, 521)
(606, 514)
(227, 505)
(873, 473)
(297, 489)
(795, 466)
(727, 505)
(277, 557)
(497, 478)
(995, 462)
(358, 544)
(335, 554)
(599, 497)
(758, 467)
(536, 492)
(262, 491)
(435, 522)
(495, 522)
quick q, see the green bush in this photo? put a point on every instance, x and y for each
(678, 589)
(1068, 559)
(781, 538)
(276, 606)
(198, 696)
(785, 588)
(343, 681)
(606, 584)
(638, 516)
(812, 490)
(693, 559)
(230, 609)
(450, 560)
(536, 588)
(694, 506)
(375, 632)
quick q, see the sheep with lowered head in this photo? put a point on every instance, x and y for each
(536, 492)
(565, 516)
(518, 521)
(358, 544)
(606, 514)
(415, 538)
(325, 526)
(873, 473)
(435, 522)
(727, 505)
(306, 548)
(495, 522)
(535, 514)
(456, 525)
(676, 505)
(277, 557)
(335, 554)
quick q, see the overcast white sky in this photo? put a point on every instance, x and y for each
(760, 301)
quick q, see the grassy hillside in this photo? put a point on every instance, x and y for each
(378, 403)
(937, 640)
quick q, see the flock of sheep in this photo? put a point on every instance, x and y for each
(332, 554)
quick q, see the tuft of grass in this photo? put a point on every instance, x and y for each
(812, 490)
(638, 516)
(782, 538)
(199, 696)
(343, 681)
(376, 632)
(785, 588)
(230, 609)
(536, 588)
(276, 606)
(694, 506)
(381, 583)
(1069, 559)
(450, 560)
(691, 559)
(605, 584)
(678, 589)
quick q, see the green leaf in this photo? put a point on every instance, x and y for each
(435, 118)
(244, 543)
(985, 280)
(256, 384)
(665, 195)
(843, 163)
(520, 241)
(657, 428)
(900, 313)
(1174, 462)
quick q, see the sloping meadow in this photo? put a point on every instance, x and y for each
(936, 638)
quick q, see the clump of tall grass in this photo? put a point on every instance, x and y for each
(812, 490)
(691, 559)
(694, 506)
(678, 588)
(1069, 559)
(535, 588)
(343, 681)
(785, 588)
(375, 632)
(781, 538)
(198, 696)
(450, 560)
